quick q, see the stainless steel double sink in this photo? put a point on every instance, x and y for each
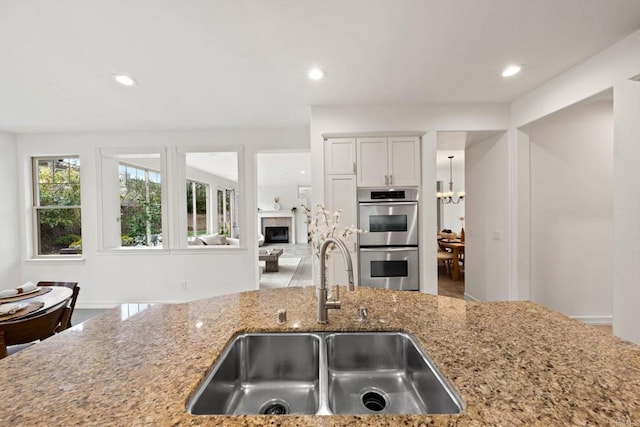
(324, 374)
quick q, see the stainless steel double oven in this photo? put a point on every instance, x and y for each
(388, 245)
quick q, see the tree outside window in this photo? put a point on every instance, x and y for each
(56, 206)
(140, 206)
(197, 215)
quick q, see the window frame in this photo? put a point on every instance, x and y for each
(182, 174)
(36, 207)
(108, 173)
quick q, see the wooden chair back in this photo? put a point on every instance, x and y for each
(29, 329)
(74, 297)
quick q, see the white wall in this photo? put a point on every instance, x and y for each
(9, 244)
(487, 230)
(288, 195)
(522, 238)
(611, 67)
(626, 210)
(111, 277)
(571, 211)
(426, 118)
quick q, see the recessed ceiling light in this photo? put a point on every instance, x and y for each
(511, 70)
(124, 80)
(316, 74)
(302, 172)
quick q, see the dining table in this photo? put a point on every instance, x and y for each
(36, 302)
(457, 248)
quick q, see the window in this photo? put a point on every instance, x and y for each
(132, 197)
(140, 206)
(56, 206)
(197, 212)
(213, 177)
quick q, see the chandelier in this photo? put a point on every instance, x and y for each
(448, 196)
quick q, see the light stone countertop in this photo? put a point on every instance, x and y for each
(514, 363)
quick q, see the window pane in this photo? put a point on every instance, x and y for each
(59, 231)
(140, 206)
(191, 231)
(197, 208)
(58, 182)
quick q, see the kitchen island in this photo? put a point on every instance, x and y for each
(513, 363)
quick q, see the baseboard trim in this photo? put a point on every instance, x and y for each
(595, 320)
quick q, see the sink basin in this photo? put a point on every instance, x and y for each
(385, 373)
(262, 374)
(324, 374)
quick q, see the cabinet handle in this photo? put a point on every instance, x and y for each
(386, 180)
(355, 168)
(390, 179)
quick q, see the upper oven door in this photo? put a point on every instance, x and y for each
(388, 224)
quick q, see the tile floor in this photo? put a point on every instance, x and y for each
(303, 275)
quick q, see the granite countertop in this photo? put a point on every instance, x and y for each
(514, 363)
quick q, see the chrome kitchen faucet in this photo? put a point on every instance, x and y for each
(323, 304)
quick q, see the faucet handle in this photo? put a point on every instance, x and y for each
(335, 293)
(363, 312)
(282, 316)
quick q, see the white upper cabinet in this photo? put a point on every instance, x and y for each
(404, 161)
(340, 156)
(372, 161)
(388, 161)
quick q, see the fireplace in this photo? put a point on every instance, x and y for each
(276, 234)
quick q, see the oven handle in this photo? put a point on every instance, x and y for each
(390, 249)
(386, 203)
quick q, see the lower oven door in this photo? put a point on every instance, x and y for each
(390, 268)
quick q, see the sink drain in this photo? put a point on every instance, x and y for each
(274, 407)
(374, 399)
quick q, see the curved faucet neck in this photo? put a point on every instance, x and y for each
(323, 261)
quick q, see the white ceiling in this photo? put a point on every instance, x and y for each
(243, 63)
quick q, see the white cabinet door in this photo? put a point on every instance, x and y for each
(372, 162)
(340, 156)
(404, 161)
(341, 194)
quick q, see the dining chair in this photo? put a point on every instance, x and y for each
(72, 304)
(445, 258)
(33, 328)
